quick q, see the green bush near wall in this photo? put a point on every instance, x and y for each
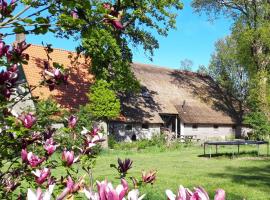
(156, 143)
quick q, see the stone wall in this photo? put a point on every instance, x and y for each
(130, 132)
(211, 132)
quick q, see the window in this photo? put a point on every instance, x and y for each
(145, 126)
(194, 127)
(128, 127)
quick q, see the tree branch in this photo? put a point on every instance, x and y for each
(11, 20)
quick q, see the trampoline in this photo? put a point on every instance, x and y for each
(237, 143)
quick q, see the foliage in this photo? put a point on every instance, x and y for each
(157, 143)
(231, 76)
(251, 44)
(103, 101)
(260, 125)
(186, 65)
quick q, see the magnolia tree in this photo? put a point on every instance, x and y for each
(32, 152)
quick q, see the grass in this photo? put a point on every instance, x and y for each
(242, 177)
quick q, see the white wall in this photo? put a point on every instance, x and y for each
(205, 132)
(126, 135)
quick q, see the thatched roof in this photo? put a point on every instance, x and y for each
(168, 91)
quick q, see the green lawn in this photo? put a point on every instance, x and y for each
(243, 177)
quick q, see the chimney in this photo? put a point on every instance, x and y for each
(20, 37)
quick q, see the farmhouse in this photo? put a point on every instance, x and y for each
(180, 102)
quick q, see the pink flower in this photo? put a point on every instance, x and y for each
(149, 177)
(71, 187)
(117, 24)
(50, 147)
(57, 74)
(95, 131)
(34, 160)
(68, 157)
(107, 6)
(39, 195)
(42, 175)
(24, 155)
(134, 195)
(107, 192)
(92, 141)
(72, 121)
(74, 15)
(28, 120)
(220, 195)
(3, 48)
(198, 194)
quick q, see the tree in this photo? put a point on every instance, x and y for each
(103, 103)
(202, 69)
(226, 70)
(250, 31)
(106, 29)
(186, 64)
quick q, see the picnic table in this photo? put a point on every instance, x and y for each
(237, 143)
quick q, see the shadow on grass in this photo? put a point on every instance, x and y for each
(258, 177)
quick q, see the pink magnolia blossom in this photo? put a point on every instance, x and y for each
(117, 24)
(71, 187)
(50, 147)
(57, 74)
(33, 160)
(95, 131)
(92, 141)
(149, 177)
(39, 195)
(3, 48)
(198, 194)
(220, 194)
(68, 157)
(74, 15)
(135, 195)
(72, 121)
(28, 120)
(107, 192)
(24, 155)
(42, 175)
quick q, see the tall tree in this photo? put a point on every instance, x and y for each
(232, 77)
(250, 30)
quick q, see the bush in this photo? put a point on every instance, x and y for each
(157, 143)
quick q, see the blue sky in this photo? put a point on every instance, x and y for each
(194, 39)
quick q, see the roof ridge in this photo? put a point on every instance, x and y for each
(186, 72)
(69, 51)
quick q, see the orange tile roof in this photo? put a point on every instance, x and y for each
(69, 96)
